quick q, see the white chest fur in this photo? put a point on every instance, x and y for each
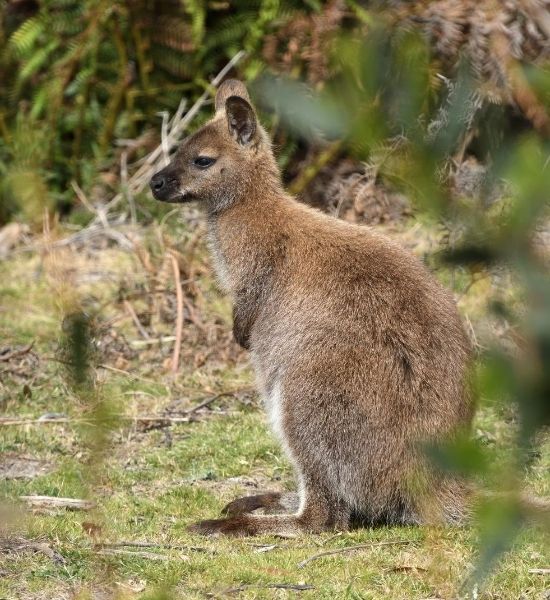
(274, 408)
(220, 264)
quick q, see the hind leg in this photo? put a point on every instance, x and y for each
(319, 512)
(271, 502)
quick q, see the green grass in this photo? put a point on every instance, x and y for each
(149, 485)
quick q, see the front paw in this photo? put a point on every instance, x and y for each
(236, 527)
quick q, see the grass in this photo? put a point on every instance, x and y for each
(150, 483)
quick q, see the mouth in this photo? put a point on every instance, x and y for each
(173, 197)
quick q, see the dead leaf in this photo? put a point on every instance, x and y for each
(92, 529)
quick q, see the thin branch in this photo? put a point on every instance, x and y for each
(302, 564)
(15, 353)
(124, 185)
(178, 114)
(136, 553)
(131, 375)
(162, 419)
(209, 401)
(130, 309)
(5, 421)
(296, 587)
(131, 544)
(100, 218)
(137, 344)
(179, 318)
(55, 502)
(164, 138)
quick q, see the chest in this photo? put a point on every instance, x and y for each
(219, 261)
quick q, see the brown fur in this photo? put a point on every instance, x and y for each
(359, 353)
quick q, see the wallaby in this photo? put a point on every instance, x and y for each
(359, 353)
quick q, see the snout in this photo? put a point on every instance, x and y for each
(158, 182)
(165, 186)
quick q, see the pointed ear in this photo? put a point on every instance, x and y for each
(230, 87)
(241, 119)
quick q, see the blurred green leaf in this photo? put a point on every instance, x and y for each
(462, 455)
(309, 115)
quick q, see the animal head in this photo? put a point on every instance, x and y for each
(218, 163)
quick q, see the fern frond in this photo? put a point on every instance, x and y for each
(23, 39)
(36, 61)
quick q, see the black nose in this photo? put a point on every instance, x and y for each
(157, 182)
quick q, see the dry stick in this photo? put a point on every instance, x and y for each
(208, 401)
(302, 564)
(63, 421)
(152, 341)
(124, 184)
(153, 418)
(55, 502)
(129, 544)
(18, 545)
(128, 374)
(179, 319)
(136, 320)
(138, 554)
(164, 138)
(6, 421)
(297, 587)
(15, 353)
(101, 216)
(178, 114)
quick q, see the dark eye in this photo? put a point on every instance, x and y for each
(203, 162)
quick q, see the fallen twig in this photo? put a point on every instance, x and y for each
(539, 571)
(137, 419)
(302, 564)
(137, 344)
(128, 374)
(130, 309)
(40, 421)
(17, 544)
(15, 353)
(54, 502)
(297, 587)
(166, 419)
(130, 544)
(101, 216)
(264, 549)
(208, 401)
